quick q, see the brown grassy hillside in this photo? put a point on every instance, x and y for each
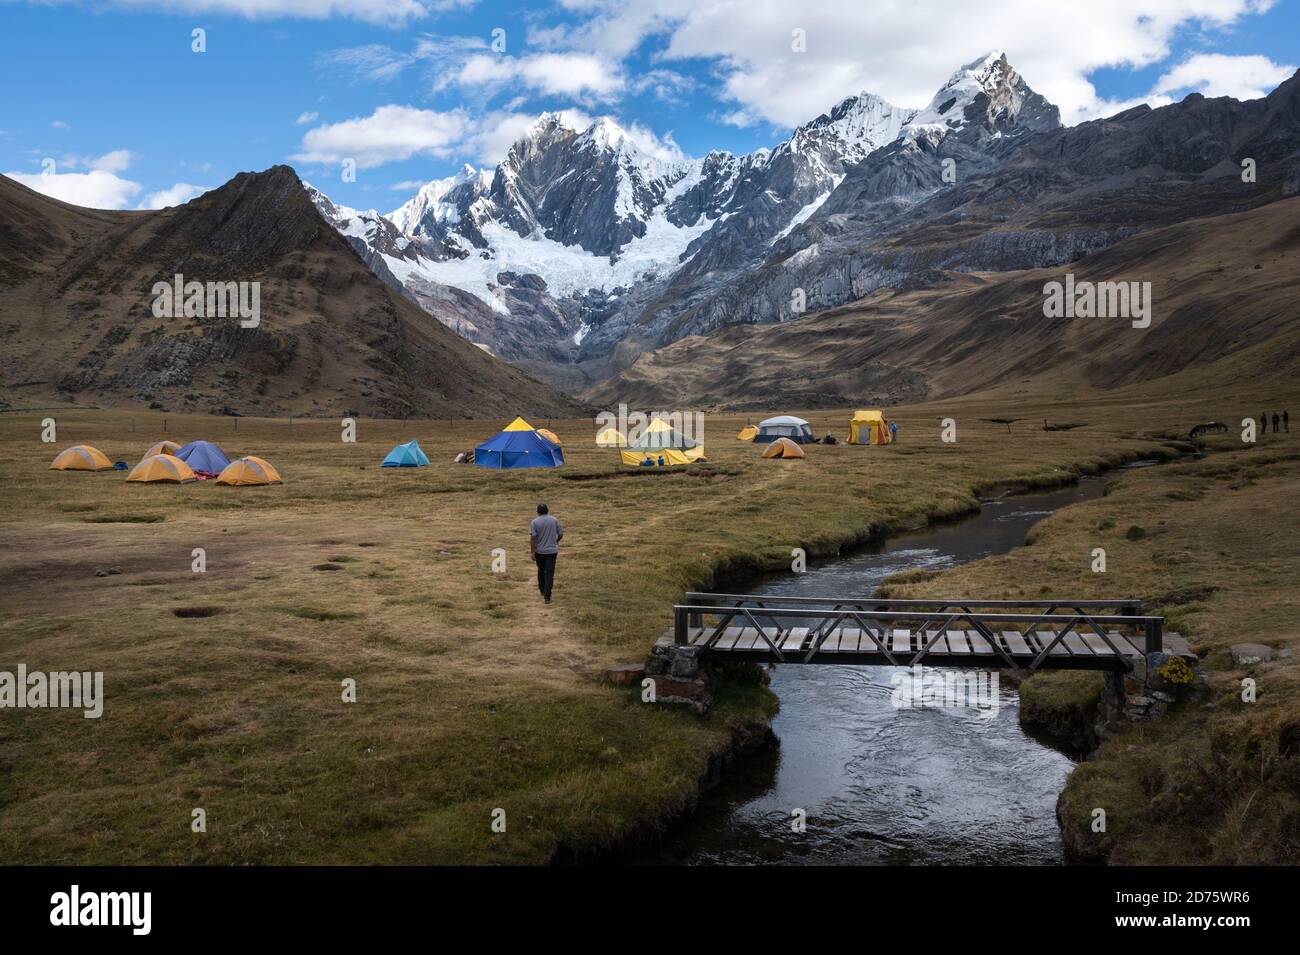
(1224, 299)
(75, 307)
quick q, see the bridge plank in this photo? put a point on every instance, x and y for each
(849, 637)
(1045, 637)
(979, 645)
(1015, 644)
(1129, 646)
(902, 640)
(728, 638)
(957, 645)
(940, 645)
(1098, 646)
(832, 642)
(1076, 646)
(794, 639)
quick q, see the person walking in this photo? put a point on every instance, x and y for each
(544, 535)
(1277, 419)
(893, 431)
(1286, 422)
(1263, 423)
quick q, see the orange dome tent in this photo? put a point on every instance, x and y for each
(162, 447)
(162, 467)
(550, 436)
(249, 470)
(783, 448)
(81, 457)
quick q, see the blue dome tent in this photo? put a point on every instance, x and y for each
(518, 446)
(204, 456)
(406, 455)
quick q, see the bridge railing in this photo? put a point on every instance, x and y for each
(934, 618)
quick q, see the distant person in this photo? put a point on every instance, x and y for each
(893, 431)
(1277, 419)
(544, 535)
(1286, 422)
(1263, 423)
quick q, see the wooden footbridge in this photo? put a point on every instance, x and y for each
(1013, 634)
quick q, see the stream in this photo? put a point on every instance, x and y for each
(882, 785)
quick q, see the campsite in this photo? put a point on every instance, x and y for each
(224, 685)
(607, 435)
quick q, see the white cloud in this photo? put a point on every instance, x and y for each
(305, 118)
(60, 124)
(116, 161)
(390, 134)
(553, 74)
(902, 51)
(176, 195)
(663, 148)
(1214, 74)
(95, 189)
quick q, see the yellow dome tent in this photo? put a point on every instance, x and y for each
(162, 467)
(747, 433)
(162, 447)
(611, 438)
(550, 436)
(81, 457)
(248, 470)
(869, 427)
(783, 448)
(661, 444)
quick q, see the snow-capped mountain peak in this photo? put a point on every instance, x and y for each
(580, 216)
(987, 93)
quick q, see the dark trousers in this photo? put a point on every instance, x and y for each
(546, 573)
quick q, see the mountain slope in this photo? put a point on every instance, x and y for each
(76, 295)
(1019, 201)
(1224, 311)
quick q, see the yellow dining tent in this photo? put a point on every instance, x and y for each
(248, 470)
(81, 457)
(162, 467)
(869, 427)
(661, 444)
(519, 424)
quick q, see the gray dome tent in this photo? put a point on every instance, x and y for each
(784, 426)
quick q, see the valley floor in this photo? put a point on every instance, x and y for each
(223, 688)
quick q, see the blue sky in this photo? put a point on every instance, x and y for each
(112, 92)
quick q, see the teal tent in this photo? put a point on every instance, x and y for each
(406, 455)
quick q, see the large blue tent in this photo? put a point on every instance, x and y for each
(518, 446)
(204, 456)
(407, 455)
